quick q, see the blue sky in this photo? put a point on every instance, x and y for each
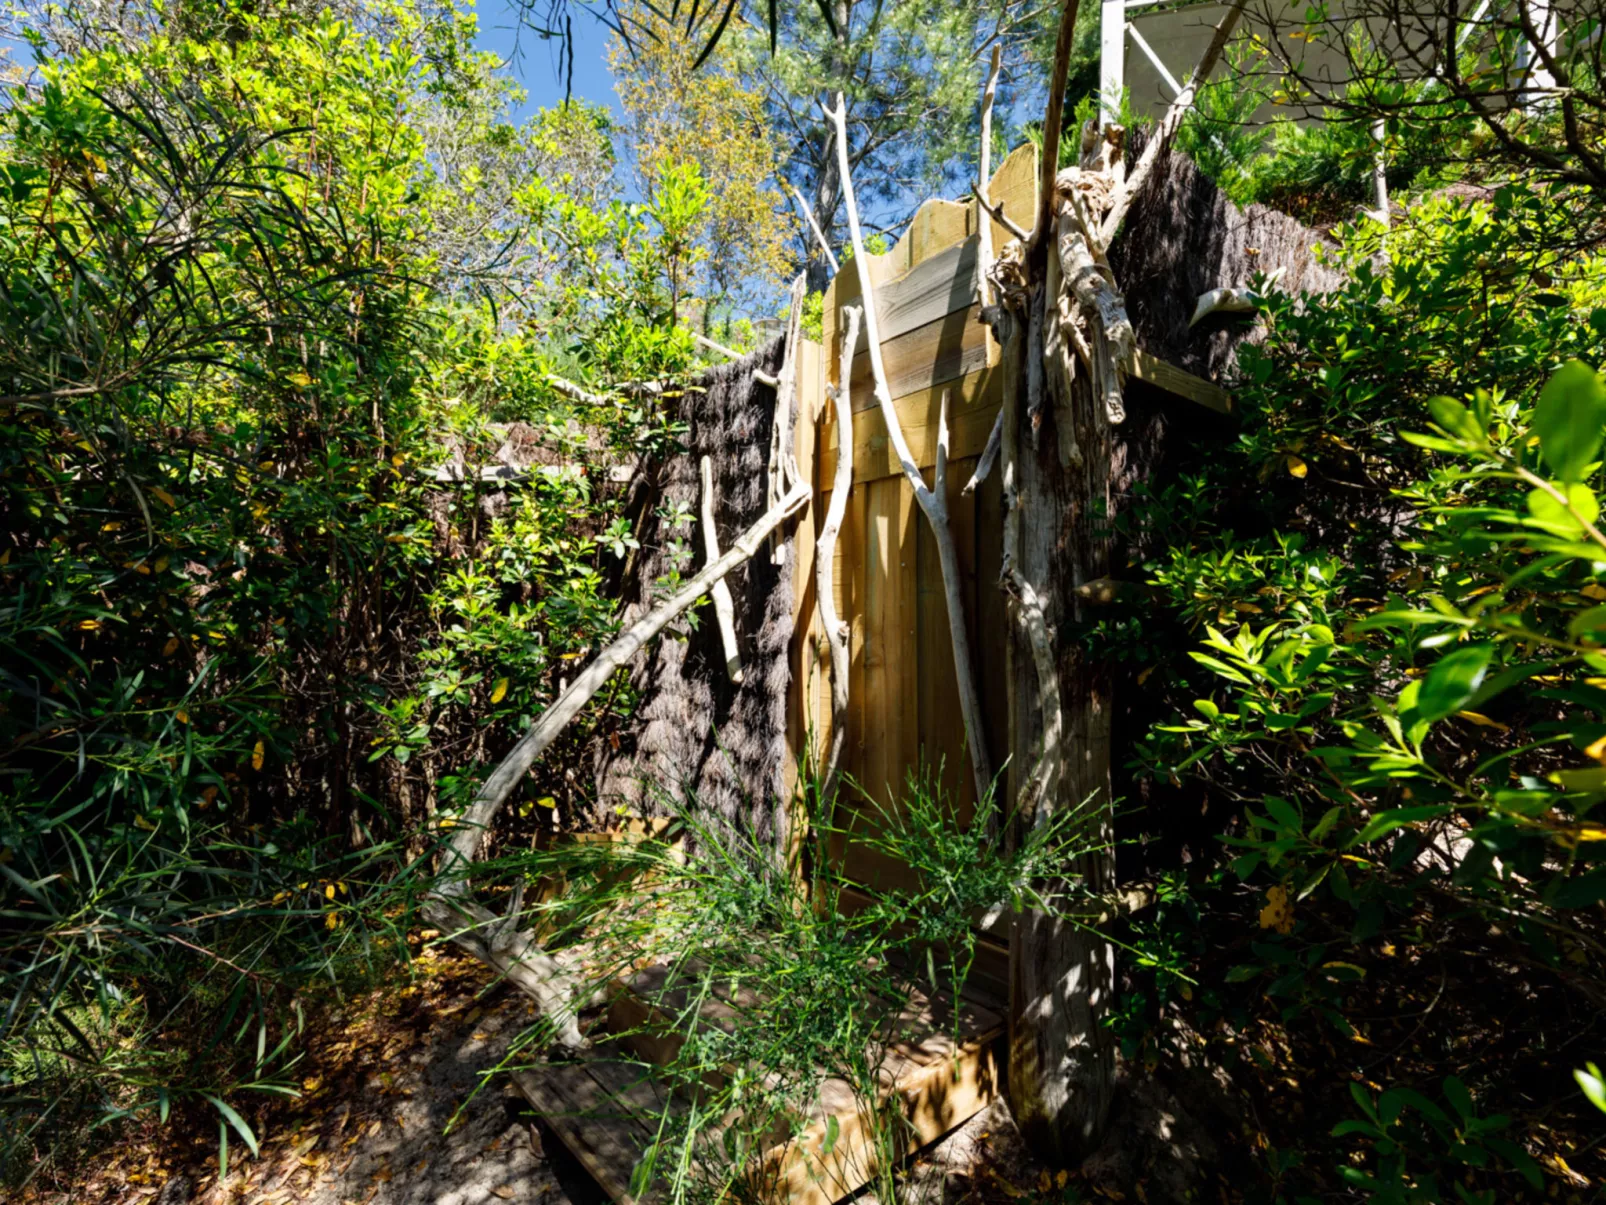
(538, 65)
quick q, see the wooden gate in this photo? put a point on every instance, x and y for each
(904, 712)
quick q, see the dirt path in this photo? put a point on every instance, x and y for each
(378, 1123)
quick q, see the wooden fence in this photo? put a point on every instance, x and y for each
(904, 712)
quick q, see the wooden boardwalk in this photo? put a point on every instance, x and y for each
(607, 1107)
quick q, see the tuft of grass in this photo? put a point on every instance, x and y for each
(811, 990)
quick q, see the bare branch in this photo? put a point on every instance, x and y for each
(933, 502)
(1052, 120)
(819, 235)
(724, 608)
(470, 829)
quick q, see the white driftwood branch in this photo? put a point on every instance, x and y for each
(1231, 300)
(997, 210)
(836, 632)
(1166, 130)
(724, 608)
(1091, 283)
(474, 823)
(1053, 118)
(783, 470)
(989, 456)
(933, 502)
(1222, 301)
(984, 253)
(819, 235)
(984, 228)
(550, 980)
(579, 393)
(730, 353)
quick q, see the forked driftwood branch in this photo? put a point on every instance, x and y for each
(836, 632)
(933, 501)
(551, 980)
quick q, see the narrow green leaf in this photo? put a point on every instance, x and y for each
(234, 1119)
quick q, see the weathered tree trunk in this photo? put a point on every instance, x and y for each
(1069, 343)
(1062, 1061)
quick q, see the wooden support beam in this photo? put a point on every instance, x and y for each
(1163, 375)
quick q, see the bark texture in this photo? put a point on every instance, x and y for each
(1062, 1061)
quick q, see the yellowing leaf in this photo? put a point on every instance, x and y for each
(170, 647)
(1592, 833)
(162, 496)
(141, 822)
(329, 891)
(1483, 721)
(182, 716)
(499, 691)
(258, 752)
(300, 379)
(1296, 466)
(332, 921)
(1594, 590)
(161, 564)
(1278, 913)
(88, 625)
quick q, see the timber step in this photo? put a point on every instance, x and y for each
(606, 1106)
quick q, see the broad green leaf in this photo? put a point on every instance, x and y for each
(235, 1120)
(1591, 779)
(1581, 891)
(1455, 419)
(833, 1130)
(1570, 419)
(1386, 822)
(1460, 1099)
(1563, 519)
(1588, 623)
(1453, 681)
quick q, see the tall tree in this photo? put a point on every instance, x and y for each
(908, 70)
(677, 113)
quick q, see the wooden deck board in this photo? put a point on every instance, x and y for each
(939, 1059)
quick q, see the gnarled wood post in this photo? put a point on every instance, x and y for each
(1067, 344)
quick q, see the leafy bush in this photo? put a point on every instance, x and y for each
(251, 640)
(1394, 582)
